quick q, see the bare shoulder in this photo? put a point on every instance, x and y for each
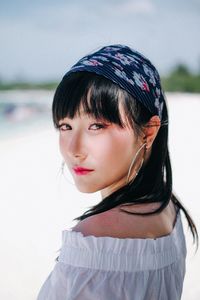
(102, 224)
(115, 223)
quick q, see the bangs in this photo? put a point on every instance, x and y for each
(89, 93)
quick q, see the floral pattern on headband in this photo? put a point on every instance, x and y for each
(130, 70)
(123, 75)
(140, 81)
(92, 62)
(101, 57)
(112, 48)
(149, 73)
(123, 59)
(159, 106)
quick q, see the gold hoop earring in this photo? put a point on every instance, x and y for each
(133, 161)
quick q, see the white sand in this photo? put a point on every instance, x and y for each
(37, 203)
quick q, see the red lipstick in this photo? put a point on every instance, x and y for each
(81, 171)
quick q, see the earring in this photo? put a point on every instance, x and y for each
(62, 166)
(134, 159)
(62, 171)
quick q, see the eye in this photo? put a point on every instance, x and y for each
(63, 127)
(98, 126)
(94, 126)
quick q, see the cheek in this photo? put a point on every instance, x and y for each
(114, 151)
(63, 146)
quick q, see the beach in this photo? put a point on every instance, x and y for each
(37, 202)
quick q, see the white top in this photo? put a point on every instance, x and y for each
(108, 268)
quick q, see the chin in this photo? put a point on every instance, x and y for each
(86, 189)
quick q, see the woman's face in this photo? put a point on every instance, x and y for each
(103, 147)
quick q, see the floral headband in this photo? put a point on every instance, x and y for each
(130, 70)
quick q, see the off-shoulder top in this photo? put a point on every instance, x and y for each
(108, 268)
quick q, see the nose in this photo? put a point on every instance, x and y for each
(76, 146)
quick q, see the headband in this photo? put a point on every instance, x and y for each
(129, 69)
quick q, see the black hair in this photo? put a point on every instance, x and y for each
(99, 98)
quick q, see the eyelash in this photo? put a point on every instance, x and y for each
(101, 126)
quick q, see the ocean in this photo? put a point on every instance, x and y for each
(21, 111)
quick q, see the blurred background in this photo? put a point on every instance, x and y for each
(40, 40)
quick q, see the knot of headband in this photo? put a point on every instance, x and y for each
(129, 69)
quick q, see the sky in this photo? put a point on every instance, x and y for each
(41, 40)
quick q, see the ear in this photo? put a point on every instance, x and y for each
(150, 131)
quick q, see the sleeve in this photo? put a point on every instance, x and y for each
(67, 282)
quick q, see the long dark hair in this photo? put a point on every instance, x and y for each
(154, 180)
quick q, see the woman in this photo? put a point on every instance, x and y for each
(112, 118)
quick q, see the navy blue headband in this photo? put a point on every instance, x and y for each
(130, 70)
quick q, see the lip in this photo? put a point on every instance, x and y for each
(82, 171)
